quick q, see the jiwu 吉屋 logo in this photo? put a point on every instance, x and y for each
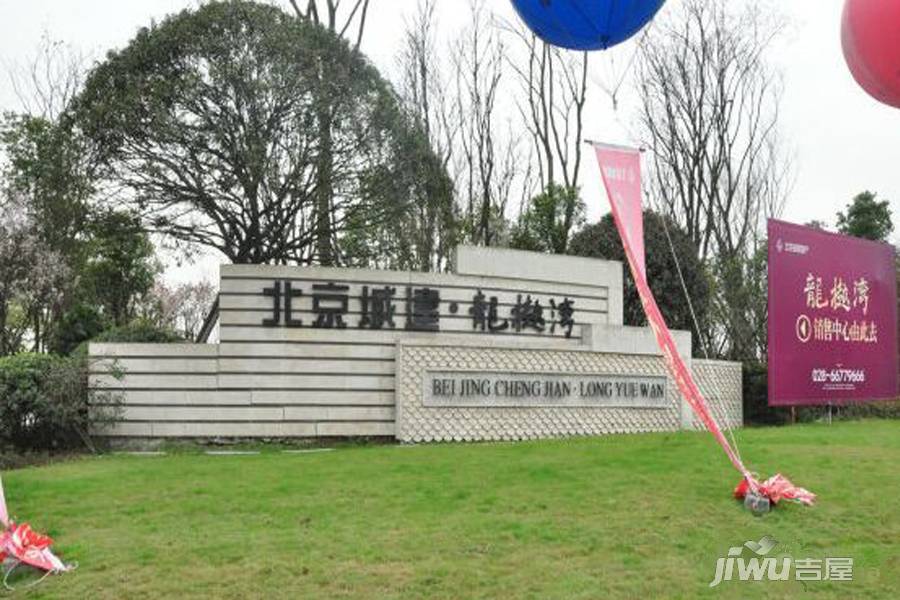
(759, 566)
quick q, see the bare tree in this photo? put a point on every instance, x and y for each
(47, 81)
(553, 84)
(709, 114)
(423, 82)
(488, 162)
(43, 175)
(328, 14)
(32, 279)
(554, 91)
(182, 308)
(423, 89)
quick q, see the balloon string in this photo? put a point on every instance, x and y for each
(719, 411)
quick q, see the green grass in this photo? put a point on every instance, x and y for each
(622, 516)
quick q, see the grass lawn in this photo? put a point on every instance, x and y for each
(638, 516)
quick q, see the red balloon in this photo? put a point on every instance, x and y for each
(870, 35)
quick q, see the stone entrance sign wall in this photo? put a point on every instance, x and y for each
(310, 351)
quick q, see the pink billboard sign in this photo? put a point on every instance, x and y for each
(832, 317)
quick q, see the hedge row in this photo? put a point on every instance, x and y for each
(45, 403)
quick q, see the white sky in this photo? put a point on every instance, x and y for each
(842, 141)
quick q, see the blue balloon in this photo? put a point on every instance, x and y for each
(586, 24)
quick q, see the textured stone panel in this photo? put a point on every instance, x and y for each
(720, 382)
(418, 423)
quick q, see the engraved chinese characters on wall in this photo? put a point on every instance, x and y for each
(414, 308)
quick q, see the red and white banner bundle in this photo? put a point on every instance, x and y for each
(20, 544)
(620, 168)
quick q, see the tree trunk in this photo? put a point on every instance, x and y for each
(37, 333)
(4, 341)
(324, 187)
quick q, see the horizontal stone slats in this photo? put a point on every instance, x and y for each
(175, 390)
(315, 382)
(127, 429)
(385, 351)
(174, 398)
(256, 301)
(305, 365)
(250, 333)
(152, 381)
(258, 413)
(157, 365)
(322, 398)
(339, 413)
(182, 351)
(256, 397)
(499, 262)
(252, 278)
(250, 429)
(448, 324)
(211, 413)
(348, 428)
(246, 381)
(212, 429)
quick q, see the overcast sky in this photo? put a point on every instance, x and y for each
(842, 141)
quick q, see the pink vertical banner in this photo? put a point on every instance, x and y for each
(621, 170)
(4, 514)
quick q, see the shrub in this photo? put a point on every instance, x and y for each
(756, 397)
(885, 409)
(601, 240)
(134, 333)
(45, 403)
(139, 331)
(79, 323)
